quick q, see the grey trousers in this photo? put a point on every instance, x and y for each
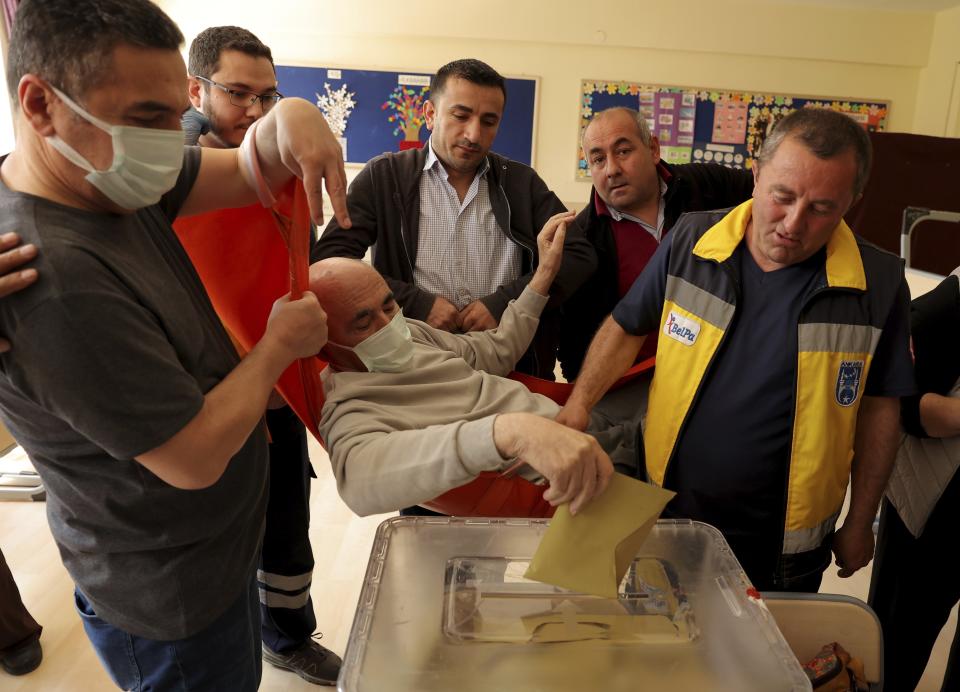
(617, 423)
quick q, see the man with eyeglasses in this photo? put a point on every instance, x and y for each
(232, 84)
(242, 99)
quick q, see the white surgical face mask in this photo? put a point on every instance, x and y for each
(146, 162)
(389, 349)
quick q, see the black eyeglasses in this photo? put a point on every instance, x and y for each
(245, 99)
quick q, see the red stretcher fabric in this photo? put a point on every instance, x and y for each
(247, 258)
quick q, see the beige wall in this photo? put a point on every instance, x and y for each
(938, 93)
(750, 46)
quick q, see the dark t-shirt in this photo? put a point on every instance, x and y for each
(740, 446)
(733, 454)
(115, 347)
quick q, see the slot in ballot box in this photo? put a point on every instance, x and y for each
(444, 606)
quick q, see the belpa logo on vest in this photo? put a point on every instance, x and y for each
(682, 329)
(848, 381)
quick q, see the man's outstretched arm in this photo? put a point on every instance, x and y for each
(616, 344)
(498, 349)
(293, 139)
(611, 354)
(379, 469)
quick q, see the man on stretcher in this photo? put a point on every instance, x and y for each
(412, 411)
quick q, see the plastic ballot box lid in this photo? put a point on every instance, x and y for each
(444, 606)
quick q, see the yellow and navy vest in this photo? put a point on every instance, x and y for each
(838, 331)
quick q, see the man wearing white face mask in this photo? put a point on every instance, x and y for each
(413, 411)
(122, 386)
(146, 162)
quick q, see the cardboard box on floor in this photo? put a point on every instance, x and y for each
(6, 439)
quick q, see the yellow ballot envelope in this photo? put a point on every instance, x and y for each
(590, 553)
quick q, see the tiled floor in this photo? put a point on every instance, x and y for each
(341, 544)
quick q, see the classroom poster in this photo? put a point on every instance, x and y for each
(701, 125)
(380, 110)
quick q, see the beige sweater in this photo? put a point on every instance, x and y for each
(398, 439)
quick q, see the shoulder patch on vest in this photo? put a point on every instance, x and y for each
(848, 381)
(680, 328)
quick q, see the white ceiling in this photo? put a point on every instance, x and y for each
(900, 5)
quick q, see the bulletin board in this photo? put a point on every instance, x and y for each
(375, 111)
(701, 125)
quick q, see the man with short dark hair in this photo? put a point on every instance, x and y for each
(233, 84)
(635, 201)
(122, 386)
(453, 226)
(783, 350)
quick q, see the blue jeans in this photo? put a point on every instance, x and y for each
(223, 656)
(800, 572)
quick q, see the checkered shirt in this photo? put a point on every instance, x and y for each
(462, 254)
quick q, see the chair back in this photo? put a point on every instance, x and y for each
(808, 621)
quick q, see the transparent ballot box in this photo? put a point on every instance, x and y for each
(488, 600)
(444, 606)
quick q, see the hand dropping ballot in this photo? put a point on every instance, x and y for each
(590, 553)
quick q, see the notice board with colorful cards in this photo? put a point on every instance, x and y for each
(373, 111)
(701, 125)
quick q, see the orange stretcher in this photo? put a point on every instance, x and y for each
(250, 256)
(247, 258)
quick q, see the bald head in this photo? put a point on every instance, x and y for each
(335, 274)
(355, 297)
(622, 157)
(620, 115)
